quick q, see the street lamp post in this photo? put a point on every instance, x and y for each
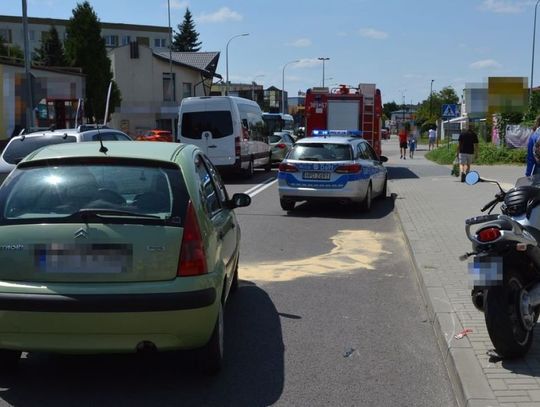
(283, 85)
(326, 59)
(431, 97)
(27, 67)
(227, 61)
(532, 59)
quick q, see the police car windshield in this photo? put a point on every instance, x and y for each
(321, 152)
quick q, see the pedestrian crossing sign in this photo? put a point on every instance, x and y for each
(449, 111)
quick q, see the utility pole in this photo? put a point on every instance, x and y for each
(431, 99)
(27, 67)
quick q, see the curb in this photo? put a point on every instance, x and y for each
(469, 384)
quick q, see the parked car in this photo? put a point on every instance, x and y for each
(126, 250)
(281, 143)
(20, 146)
(230, 130)
(336, 166)
(156, 135)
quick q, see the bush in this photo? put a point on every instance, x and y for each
(488, 154)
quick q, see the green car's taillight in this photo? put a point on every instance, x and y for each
(192, 257)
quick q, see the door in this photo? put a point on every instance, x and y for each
(222, 219)
(378, 172)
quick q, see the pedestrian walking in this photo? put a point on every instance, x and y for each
(432, 136)
(413, 138)
(467, 150)
(533, 166)
(403, 143)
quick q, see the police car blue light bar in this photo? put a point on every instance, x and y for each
(326, 133)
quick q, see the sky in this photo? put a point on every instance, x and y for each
(401, 46)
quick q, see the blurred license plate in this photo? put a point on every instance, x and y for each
(486, 271)
(316, 175)
(83, 259)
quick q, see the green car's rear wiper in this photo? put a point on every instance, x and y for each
(86, 213)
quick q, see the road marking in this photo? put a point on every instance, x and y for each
(261, 187)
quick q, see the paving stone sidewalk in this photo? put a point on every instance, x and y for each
(432, 206)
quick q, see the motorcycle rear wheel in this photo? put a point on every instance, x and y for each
(507, 330)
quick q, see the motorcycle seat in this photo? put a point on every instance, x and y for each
(520, 200)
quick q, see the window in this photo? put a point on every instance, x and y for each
(209, 194)
(126, 39)
(321, 152)
(143, 41)
(220, 186)
(17, 149)
(186, 90)
(6, 35)
(218, 122)
(111, 40)
(160, 43)
(366, 152)
(31, 35)
(169, 90)
(256, 125)
(44, 35)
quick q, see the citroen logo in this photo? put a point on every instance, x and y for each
(81, 233)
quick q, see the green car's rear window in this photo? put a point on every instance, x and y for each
(58, 193)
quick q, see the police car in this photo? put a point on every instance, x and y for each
(332, 165)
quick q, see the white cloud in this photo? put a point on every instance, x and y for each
(177, 4)
(220, 16)
(300, 43)
(307, 63)
(373, 33)
(503, 6)
(485, 64)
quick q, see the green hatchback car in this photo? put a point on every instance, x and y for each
(116, 248)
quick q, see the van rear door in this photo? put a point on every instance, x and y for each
(208, 123)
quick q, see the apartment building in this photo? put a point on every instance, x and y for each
(115, 34)
(151, 93)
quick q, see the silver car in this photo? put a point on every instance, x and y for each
(20, 146)
(342, 168)
(281, 143)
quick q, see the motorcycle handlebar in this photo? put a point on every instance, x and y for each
(490, 204)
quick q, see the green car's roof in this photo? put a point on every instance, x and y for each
(159, 151)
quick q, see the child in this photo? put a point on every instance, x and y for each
(412, 143)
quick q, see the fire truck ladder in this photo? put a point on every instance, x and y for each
(368, 119)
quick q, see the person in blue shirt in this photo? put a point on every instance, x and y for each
(532, 166)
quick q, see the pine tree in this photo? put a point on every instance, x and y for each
(85, 48)
(186, 39)
(51, 52)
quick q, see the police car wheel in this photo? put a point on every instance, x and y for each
(365, 205)
(287, 204)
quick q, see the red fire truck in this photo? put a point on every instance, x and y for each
(346, 108)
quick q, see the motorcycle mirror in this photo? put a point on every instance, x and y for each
(472, 178)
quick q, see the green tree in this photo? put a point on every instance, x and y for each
(429, 110)
(390, 107)
(85, 48)
(186, 39)
(51, 52)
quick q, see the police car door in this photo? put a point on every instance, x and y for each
(375, 167)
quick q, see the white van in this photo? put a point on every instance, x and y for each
(229, 129)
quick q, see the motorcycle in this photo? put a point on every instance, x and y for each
(506, 264)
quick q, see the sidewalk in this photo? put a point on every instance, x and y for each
(432, 206)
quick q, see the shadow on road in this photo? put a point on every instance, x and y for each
(400, 173)
(253, 374)
(380, 208)
(258, 177)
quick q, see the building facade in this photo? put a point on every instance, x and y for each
(150, 95)
(56, 94)
(114, 34)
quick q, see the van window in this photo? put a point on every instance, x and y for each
(218, 122)
(256, 126)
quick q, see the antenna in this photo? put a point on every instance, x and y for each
(107, 104)
(102, 149)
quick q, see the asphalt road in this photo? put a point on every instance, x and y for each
(328, 313)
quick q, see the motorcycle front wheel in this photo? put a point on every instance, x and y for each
(509, 318)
